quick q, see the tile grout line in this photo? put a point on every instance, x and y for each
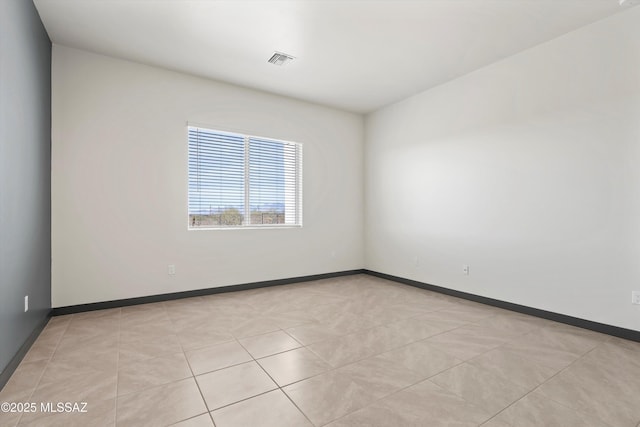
(184, 353)
(399, 390)
(561, 371)
(435, 374)
(389, 350)
(275, 382)
(281, 388)
(545, 381)
(385, 351)
(238, 364)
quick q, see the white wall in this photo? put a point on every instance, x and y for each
(527, 170)
(119, 183)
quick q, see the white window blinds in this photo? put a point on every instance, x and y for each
(237, 180)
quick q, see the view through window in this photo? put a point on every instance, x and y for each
(243, 181)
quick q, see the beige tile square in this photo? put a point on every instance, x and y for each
(325, 312)
(90, 328)
(272, 409)
(10, 419)
(292, 318)
(435, 406)
(216, 357)
(553, 347)
(514, 367)
(74, 347)
(268, 344)
(312, 333)
(253, 326)
(147, 331)
(294, 365)
(534, 411)
(203, 336)
(84, 385)
(142, 374)
(626, 354)
(230, 385)
(55, 328)
(511, 324)
(422, 358)
(383, 314)
(480, 387)
(360, 345)
(148, 348)
(183, 321)
(161, 405)
(62, 369)
(602, 390)
(346, 322)
(423, 404)
(226, 306)
(415, 329)
(329, 396)
(380, 376)
(466, 342)
(143, 314)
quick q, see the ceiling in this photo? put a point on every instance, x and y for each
(356, 55)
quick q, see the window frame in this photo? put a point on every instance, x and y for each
(247, 136)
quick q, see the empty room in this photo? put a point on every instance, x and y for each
(283, 213)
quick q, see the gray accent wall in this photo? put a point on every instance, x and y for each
(25, 177)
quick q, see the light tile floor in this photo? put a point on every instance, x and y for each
(349, 351)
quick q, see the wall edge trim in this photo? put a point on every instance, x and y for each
(71, 309)
(616, 331)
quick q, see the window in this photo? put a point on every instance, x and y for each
(243, 181)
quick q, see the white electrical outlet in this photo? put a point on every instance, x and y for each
(635, 297)
(26, 303)
(465, 270)
(171, 270)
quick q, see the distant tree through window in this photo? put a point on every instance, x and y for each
(243, 181)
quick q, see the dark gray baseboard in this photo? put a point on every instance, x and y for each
(628, 334)
(615, 331)
(15, 361)
(196, 293)
(549, 315)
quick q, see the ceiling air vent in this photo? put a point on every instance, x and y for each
(280, 58)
